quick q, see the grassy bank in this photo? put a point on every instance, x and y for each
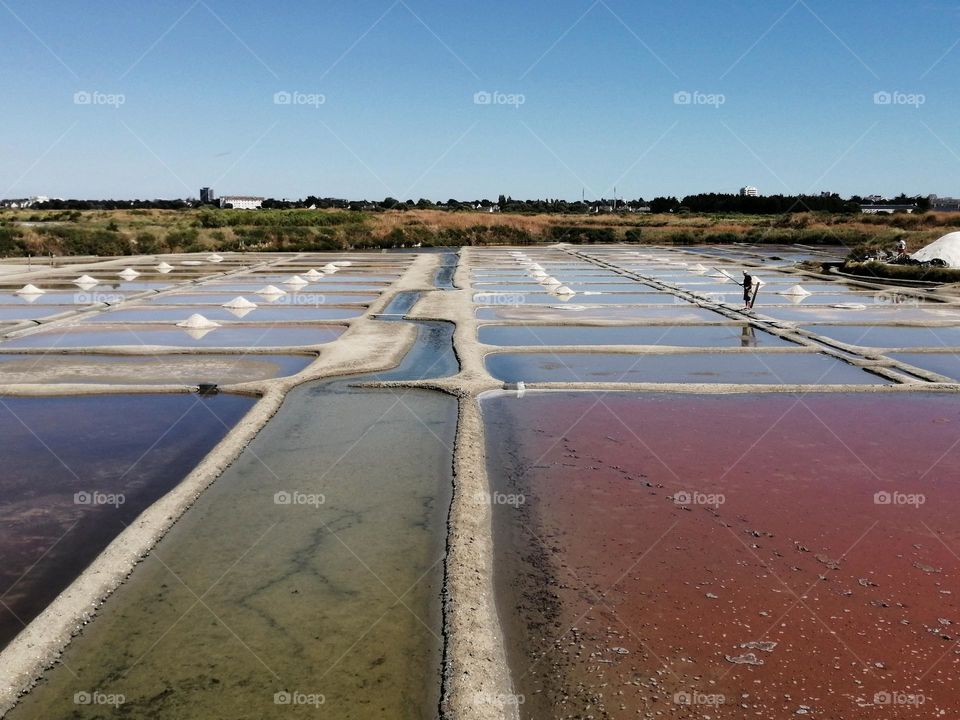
(123, 232)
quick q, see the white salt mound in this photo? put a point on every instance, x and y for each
(946, 248)
(86, 280)
(198, 322)
(129, 274)
(550, 281)
(271, 291)
(164, 267)
(30, 290)
(240, 303)
(313, 274)
(295, 280)
(215, 258)
(797, 290)
(564, 290)
(330, 268)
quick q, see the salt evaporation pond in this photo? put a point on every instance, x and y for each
(67, 461)
(661, 536)
(683, 312)
(230, 336)
(544, 298)
(293, 298)
(152, 370)
(880, 336)
(319, 557)
(32, 312)
(942, 363)
(741, 367)
(684, 335)
(261, 313)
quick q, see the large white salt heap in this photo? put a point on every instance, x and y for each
(86, 281)
(295, 281)
(313, 274)
(240, 303)
(795, 290)
(198, 322)
(128, 274)
(271, 291)
(164, 267)
(946, 248)
(30, 290)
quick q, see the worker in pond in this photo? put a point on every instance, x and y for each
(750, 287)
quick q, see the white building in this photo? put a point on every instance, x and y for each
(242, 202)
(749, 191)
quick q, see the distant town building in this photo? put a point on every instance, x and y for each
(242, 202)
(749, 191)
(944, 204)
(207, 195)
(887, 209)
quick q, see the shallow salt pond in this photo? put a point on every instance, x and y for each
(681, 313)
(741, 368)
(262, 313)
(689, 336)
(65, 462)
(946, 364)
(291, 298)
(231, 336)
(152, 370)
(881, 336)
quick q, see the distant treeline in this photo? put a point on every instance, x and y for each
(706, 203)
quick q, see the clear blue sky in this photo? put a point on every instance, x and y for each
(398, 79)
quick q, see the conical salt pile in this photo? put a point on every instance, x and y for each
(271, 291)
(240, 303)
(198, 322)
(295, 280)
(550, 281)
(215, 258)
(129, 274)
(564, 290)
(30, 290)
(330, 268)
(164, 267)
(86, 281)
(797, 290)
(313, 274)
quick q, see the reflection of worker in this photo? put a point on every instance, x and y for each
(748, 336)
(748, 285)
